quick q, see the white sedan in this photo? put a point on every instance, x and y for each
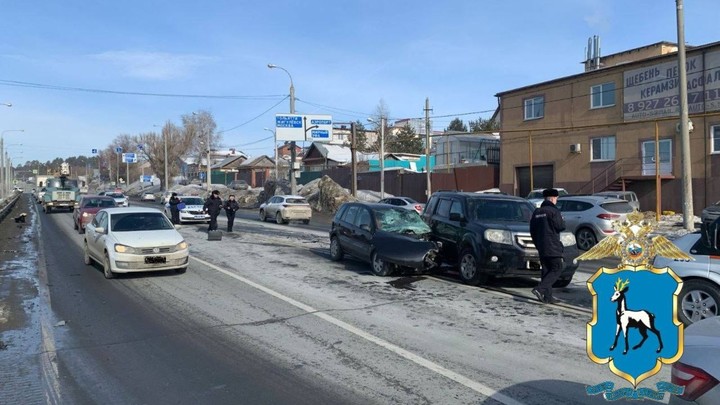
(148, 197)
(126, 240)
(120, 199)
(193, 210)
(286, 208)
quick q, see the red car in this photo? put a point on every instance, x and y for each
(86, 209)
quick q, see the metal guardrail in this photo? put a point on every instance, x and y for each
(4, 211)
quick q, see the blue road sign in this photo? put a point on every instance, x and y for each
(147, 179)
(288, 121)
(140, 147)
(118, 150)
(320, 134)
(129, 157)
(94, 151)
(202, 175)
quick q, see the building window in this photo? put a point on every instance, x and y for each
(602, 95)
(715, 139)
(534, 108)
(603, 148)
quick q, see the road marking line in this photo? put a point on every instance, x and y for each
(459, 378)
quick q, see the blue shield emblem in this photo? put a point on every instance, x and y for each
(634, 327)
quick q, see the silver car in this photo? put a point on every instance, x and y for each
(404, 202)
(590, 218)
(698, 370)
(286, 208)
(628, 196)
(700, 295)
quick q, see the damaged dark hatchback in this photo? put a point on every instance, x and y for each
(391, 239)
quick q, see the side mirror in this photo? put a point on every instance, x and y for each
(365, 227)
(177, 226)
(100, 230)
(455, 216)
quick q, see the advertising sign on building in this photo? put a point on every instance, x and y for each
(653, 91)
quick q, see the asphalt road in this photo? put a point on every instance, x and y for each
(264, 317)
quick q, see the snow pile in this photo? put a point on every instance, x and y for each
(329, 196)
(671, 226)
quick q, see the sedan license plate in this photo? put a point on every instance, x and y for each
(154, 259)
(199, 216)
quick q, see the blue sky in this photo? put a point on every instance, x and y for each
(345, 55)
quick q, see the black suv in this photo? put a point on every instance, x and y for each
(488, 235)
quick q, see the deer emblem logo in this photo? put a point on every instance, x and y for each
(641, 320)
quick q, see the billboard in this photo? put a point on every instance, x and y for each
(653, 91)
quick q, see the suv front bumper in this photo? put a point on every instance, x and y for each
(509, 260)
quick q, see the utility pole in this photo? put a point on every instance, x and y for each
(165, 160)
(688, 215)
(383, 122)
(427, 147)
(353, 186)
(293, 152)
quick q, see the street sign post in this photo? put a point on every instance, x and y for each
(94, 151)
(118, 150)
(301, 128)
(129, 157)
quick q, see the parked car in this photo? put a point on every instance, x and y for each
(404, 202)
(120, 199)
(165, 197)
(711, 213)
(126, 240)
(86, 209)
(388, 237)
(488, 235)
(239, 185)
(536, 196)
(700, 294)
(590, 218)
(148, 197)
(40, 195)
(628, 196)
(193, 210)
(698, 370)
(286, 208)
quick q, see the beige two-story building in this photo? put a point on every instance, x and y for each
(596, 130)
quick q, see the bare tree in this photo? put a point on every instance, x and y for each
(179, 143)
(199, 127)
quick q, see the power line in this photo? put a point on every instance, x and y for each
(15, 83)
(254, 118)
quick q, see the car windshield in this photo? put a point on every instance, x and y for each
(398, 220)
(295, 201)
(98, 202)
(409, 200)
(500, 210)
(139, 221)
(618, 207)
(192, 200)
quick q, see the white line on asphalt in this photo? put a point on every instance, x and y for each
(459, 378)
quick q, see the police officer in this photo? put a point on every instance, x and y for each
(174, 211)
(212, 206)
(545, 227)
(230, 207)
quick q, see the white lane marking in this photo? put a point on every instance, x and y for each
(459, 378)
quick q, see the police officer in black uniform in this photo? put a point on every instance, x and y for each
(212, 206)
(174, 211)
(545, 227)
(230, 207)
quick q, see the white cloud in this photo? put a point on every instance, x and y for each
(154, 65)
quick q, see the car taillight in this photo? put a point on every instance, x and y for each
(418, 207)
(608, 216)
(696, 381)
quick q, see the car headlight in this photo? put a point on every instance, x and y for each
(124, 249)
(85, 214)
(567, 238)
(181, 246)
(499, 236)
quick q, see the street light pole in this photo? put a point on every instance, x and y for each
(276, 152)
(3, 170)
(293, 181)
(687, 194)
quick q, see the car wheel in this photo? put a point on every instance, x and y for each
(106, 267)
(470, 273)
(80, 229)
(86, 255)
(47, 210)
(380, 267)
(336, 252)
(585, 238)
(262, 216)
(306, 221)
(279, 218)
(698, 299)
(562, 283)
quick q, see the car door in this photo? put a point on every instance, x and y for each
(445, 229)
(273, 206)
(362, 234)
(571, 213)
(346, 228)
(92, 236)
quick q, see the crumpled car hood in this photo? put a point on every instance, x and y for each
(415, 251)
